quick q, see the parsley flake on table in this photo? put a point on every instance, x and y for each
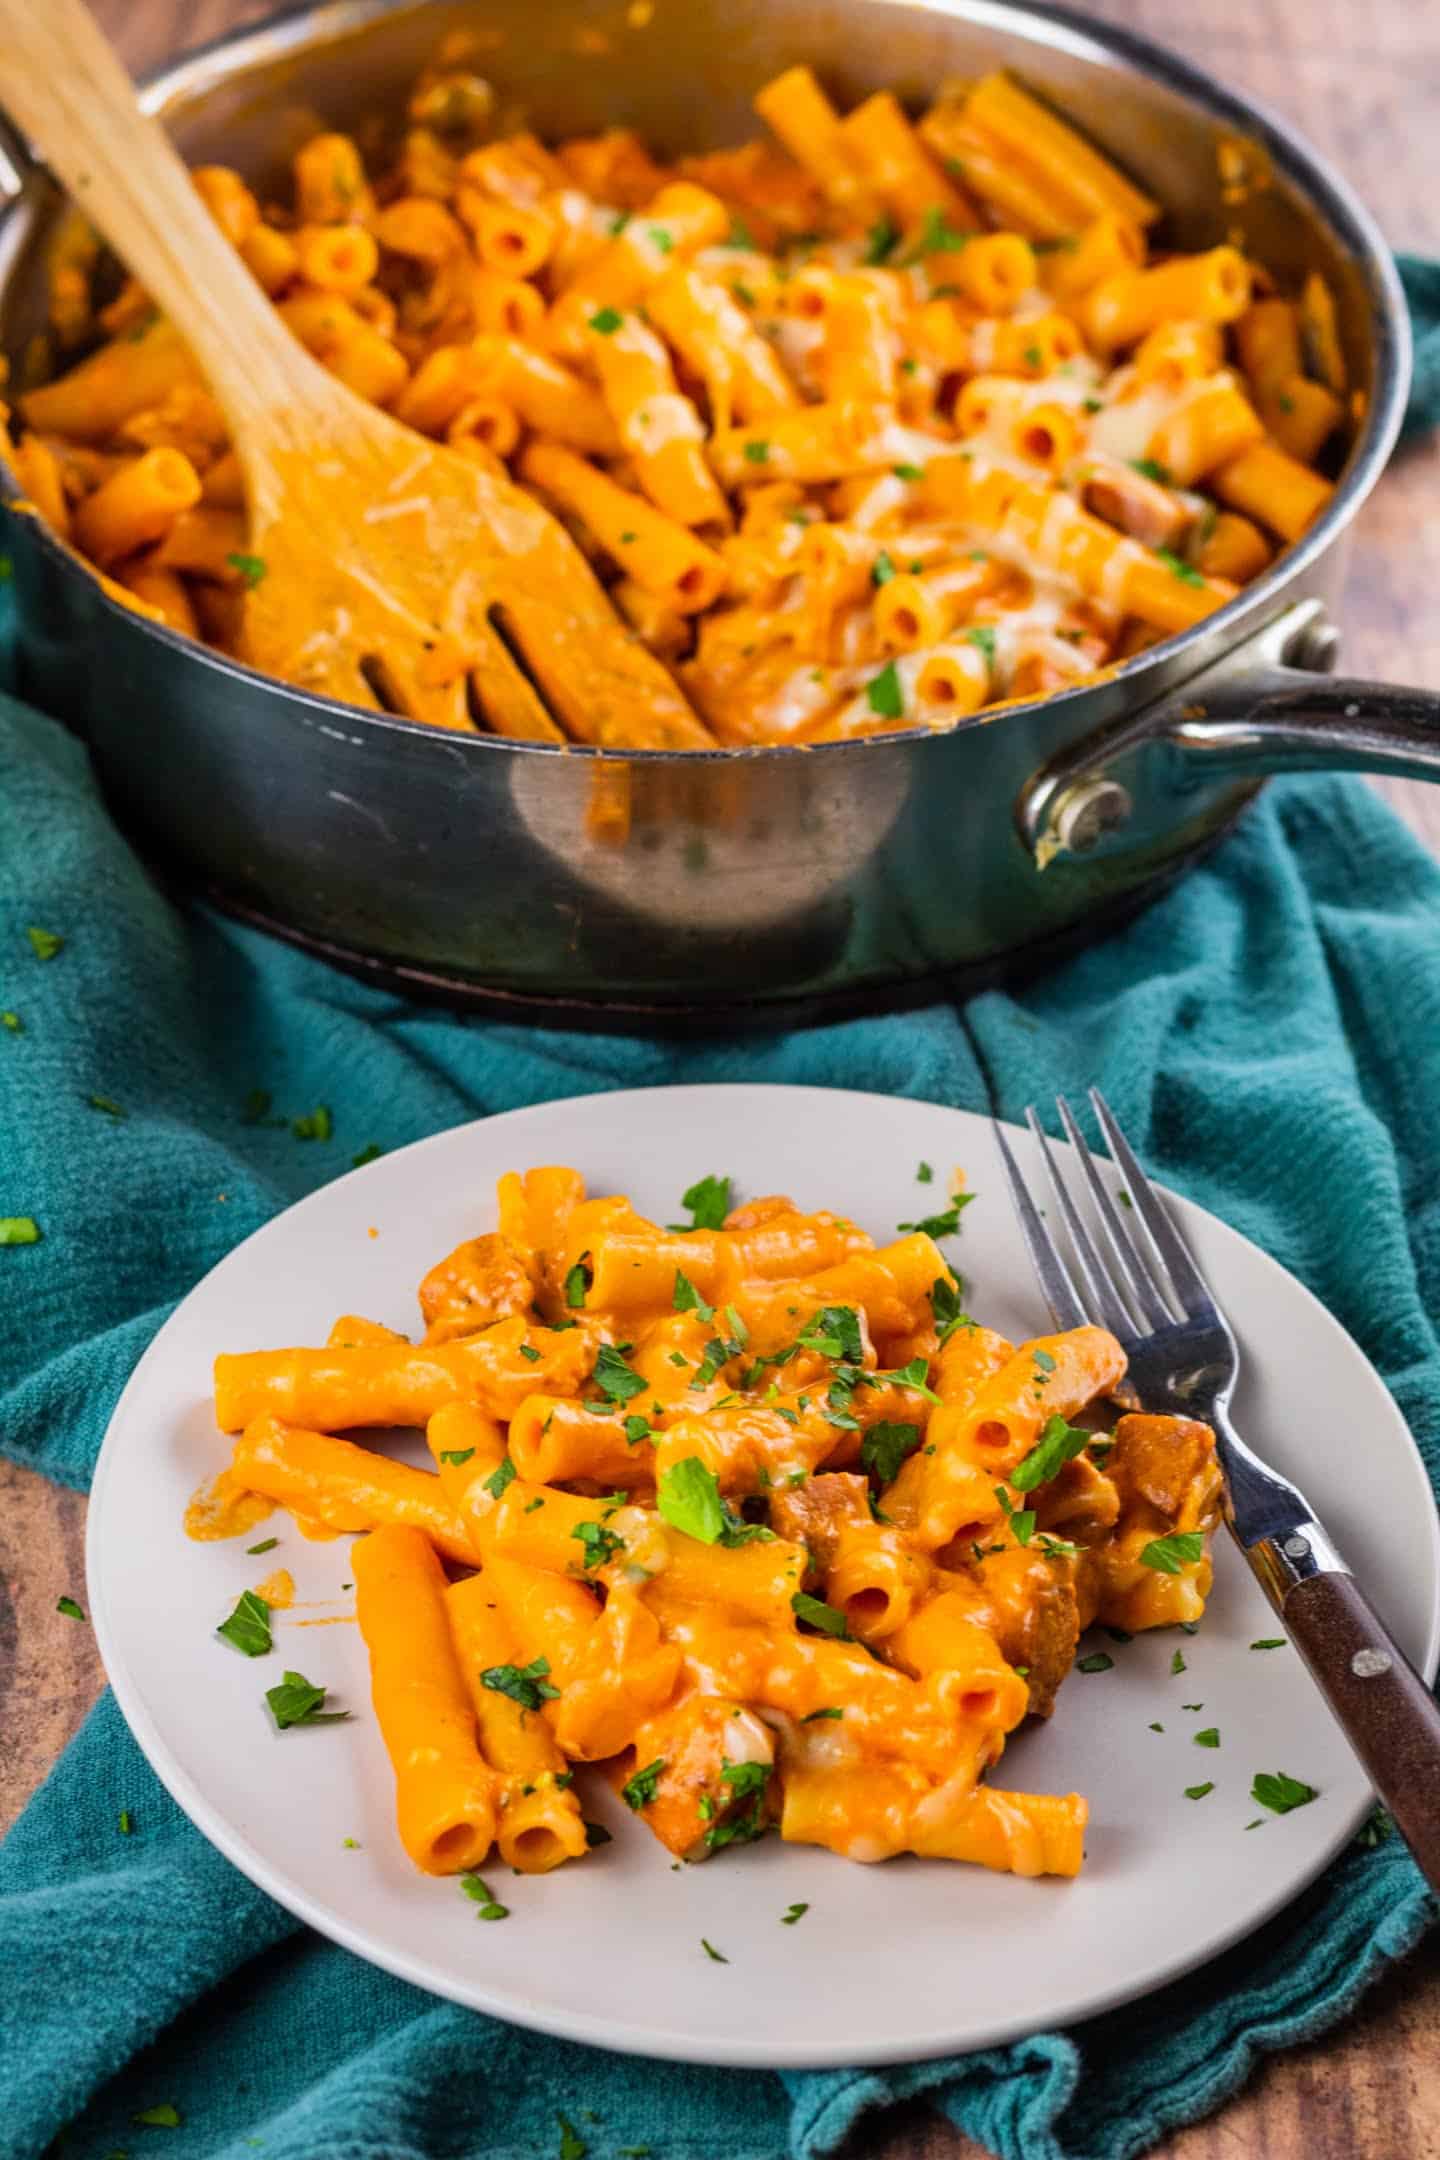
(1058, 1444)
(708, 1200)
(298, 1701)
(13, 1022)
(1280, 1793)
(68, 1606)
(712, 1953)
(316, 1124)
(163, 2116)
(528, 1685)
(1198, 1792)
(924, 1174)
(476, 1888)
(248, 1627)
(266, 1544)
(885, 1447)
(638, 1791)
(1097, 1661)
(597, 1834)
(1157, 1727)
(1210, 1737)
(126, 1822)
(1271, 1642)
(19, 1230)
(107, 1106)
(371, 1152)
(1377, 1829)
(1168, 1555)
(793, 1913)
(1177, 1663)
(43, 943)
(817, 1614)
(572, 2145)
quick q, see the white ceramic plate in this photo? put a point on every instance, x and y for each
(901, 1961)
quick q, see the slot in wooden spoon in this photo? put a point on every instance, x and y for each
(388, 559)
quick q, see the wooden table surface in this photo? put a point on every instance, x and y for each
(1363, 83)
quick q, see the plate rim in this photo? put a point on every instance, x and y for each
(592, 2029)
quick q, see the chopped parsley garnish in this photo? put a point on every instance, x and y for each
(1198, 1792)
(688, 1299)
(924, 1175)
(1377, 1829)
(943, 1225)
(721, 1348)
(297, 1701)
(884, 695)
(1097, 1661)
(458, 1455)
(1021, 1520)
(709, 1203)
(663, 239)
(1210, 1737)
(1177, 568)
(572, 2145)
(1168, 1555)
(578, 1280)
(598, 1544)
(1271, 1642)
(831, 1710)
(712, 1953)
(908, 472)
(748, 1783)
(502, 1475)
(164, 2116)
(1273, 1789)
(1093, 405)
(13, 1022)
(614, 1377)
(915, 1375)
(757, 453)
(950, 1315)
(371, 1152)
(1151, 469)
(882, 569)
(638, 1791)
(606, 320)
(834, 1332)
(740, 235)
(125, 1822)
(982, 637)
(597, 1834)
(44, 943)
(475, 1887)
(527, 1685)
(793, 1913)
(250, 569)
(937, 236)
(266, 1544)
(689, 1499)
(638, 1429)
(107, 1106)
(530, 1353)
(881, 242)
(817, 1614)
(885, 1447)
(316, 1124)
(248, 1627)
(1177, 1663)
(68, 1606)
(1157, 1727)
(1058, 1444)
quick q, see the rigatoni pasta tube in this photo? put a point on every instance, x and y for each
(1213, 288)
(1055, 1375)
(445, 1792)
(553, 1440)
(136, 505)
(376, 1384)
(344, 1486)
(539, 1823)
(1266, 483)
(660, 554)
(129, 375)
(1037, 137)
(898, 168)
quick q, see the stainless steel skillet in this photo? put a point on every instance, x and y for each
(757, 882)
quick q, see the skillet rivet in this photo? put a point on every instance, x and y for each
(1370, 1664)
(1297, 1548)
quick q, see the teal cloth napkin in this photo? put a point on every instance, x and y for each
(1269, 1033)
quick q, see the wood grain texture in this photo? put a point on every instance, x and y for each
(1361, 83)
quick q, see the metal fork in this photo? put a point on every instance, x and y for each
(1144, 1287)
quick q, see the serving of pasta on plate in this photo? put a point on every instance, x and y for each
(749, 1511)
(869, 425)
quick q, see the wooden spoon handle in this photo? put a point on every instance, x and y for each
(66, 87)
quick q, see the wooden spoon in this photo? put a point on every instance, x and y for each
(387, 558)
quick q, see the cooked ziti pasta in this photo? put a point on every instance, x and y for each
(750, 1513)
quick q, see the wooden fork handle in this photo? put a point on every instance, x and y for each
(66, 88)
(1386, 1711)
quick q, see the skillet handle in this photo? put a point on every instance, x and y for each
(1252, 714)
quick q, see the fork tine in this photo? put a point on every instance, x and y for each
(1170, 1248)
(1104, 1293)
(1140, 1289)
(1060, 1295)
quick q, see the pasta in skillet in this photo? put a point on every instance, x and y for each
(868, 426)
(751, 1513)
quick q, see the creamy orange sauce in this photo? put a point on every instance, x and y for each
(319, 1533)
(343, 1619)
(222, 1509)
